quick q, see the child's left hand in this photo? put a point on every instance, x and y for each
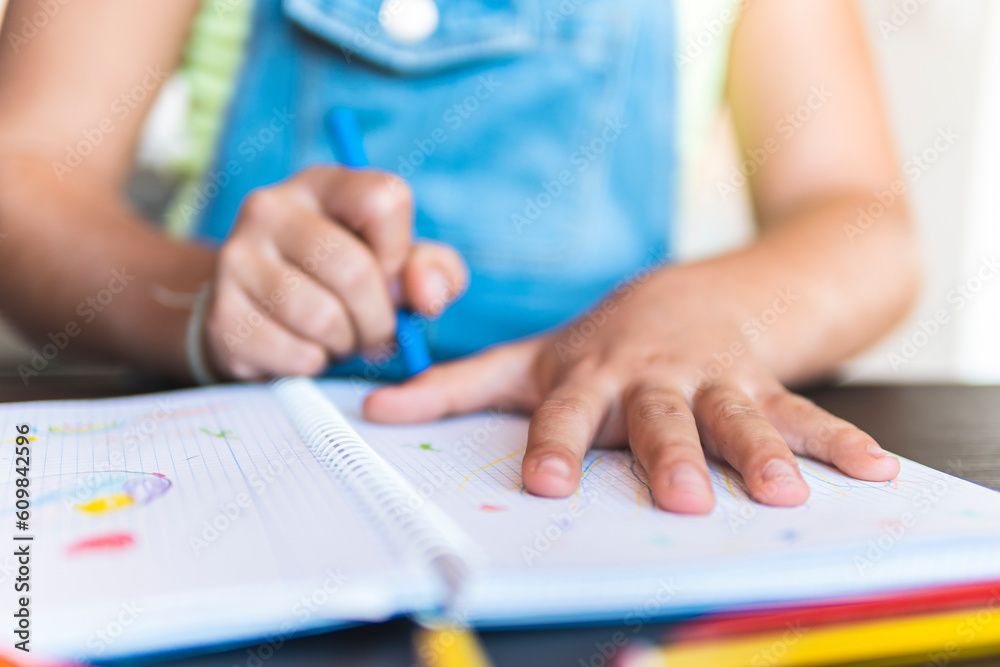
(663, 366)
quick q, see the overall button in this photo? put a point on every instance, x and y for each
(408, 21)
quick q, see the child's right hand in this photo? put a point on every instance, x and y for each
(314, 269)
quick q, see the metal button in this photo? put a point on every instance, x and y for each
(408, 21)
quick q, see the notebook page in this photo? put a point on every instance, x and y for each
(470, 468)
(201, 509)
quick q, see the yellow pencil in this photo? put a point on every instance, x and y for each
(449, 646)
(943, 637)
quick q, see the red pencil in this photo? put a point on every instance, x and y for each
(837, 611)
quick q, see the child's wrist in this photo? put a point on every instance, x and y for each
(194, 341)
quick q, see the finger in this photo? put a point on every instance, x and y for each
(664, 437)
(300, 304)
(561, 431)
(734, 428)
(346, 268)
(497, 378)
(433, 276)
(254, 346)
(375, 205)
(810, 430)
(274, 351)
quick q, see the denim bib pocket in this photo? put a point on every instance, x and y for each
(469, 31)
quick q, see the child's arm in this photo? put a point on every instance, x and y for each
(694, 358)
(66, 142)
(84, 273)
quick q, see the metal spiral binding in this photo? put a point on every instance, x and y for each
(414, 524)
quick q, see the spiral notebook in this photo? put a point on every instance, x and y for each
(230, 514)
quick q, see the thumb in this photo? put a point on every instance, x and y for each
(497, 378)
(433, 276)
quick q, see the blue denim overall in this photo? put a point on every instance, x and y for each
(538, 137)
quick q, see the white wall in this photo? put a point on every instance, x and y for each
(936, 77)
(939, 62)
(977, 353)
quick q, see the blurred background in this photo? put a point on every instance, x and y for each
(939, 63)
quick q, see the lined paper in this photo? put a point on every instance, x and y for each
(205, 495)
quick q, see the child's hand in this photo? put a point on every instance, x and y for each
(314, 269)
(664, 367)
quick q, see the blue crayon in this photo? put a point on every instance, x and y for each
(346, 134)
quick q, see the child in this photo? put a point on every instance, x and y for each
(538, 142)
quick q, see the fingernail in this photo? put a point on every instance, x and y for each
(779, 471)
(685, 477)
(555, 466)
(396, 291)
(877, 451)
(439, 291)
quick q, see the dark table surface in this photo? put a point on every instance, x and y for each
(949, 427)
